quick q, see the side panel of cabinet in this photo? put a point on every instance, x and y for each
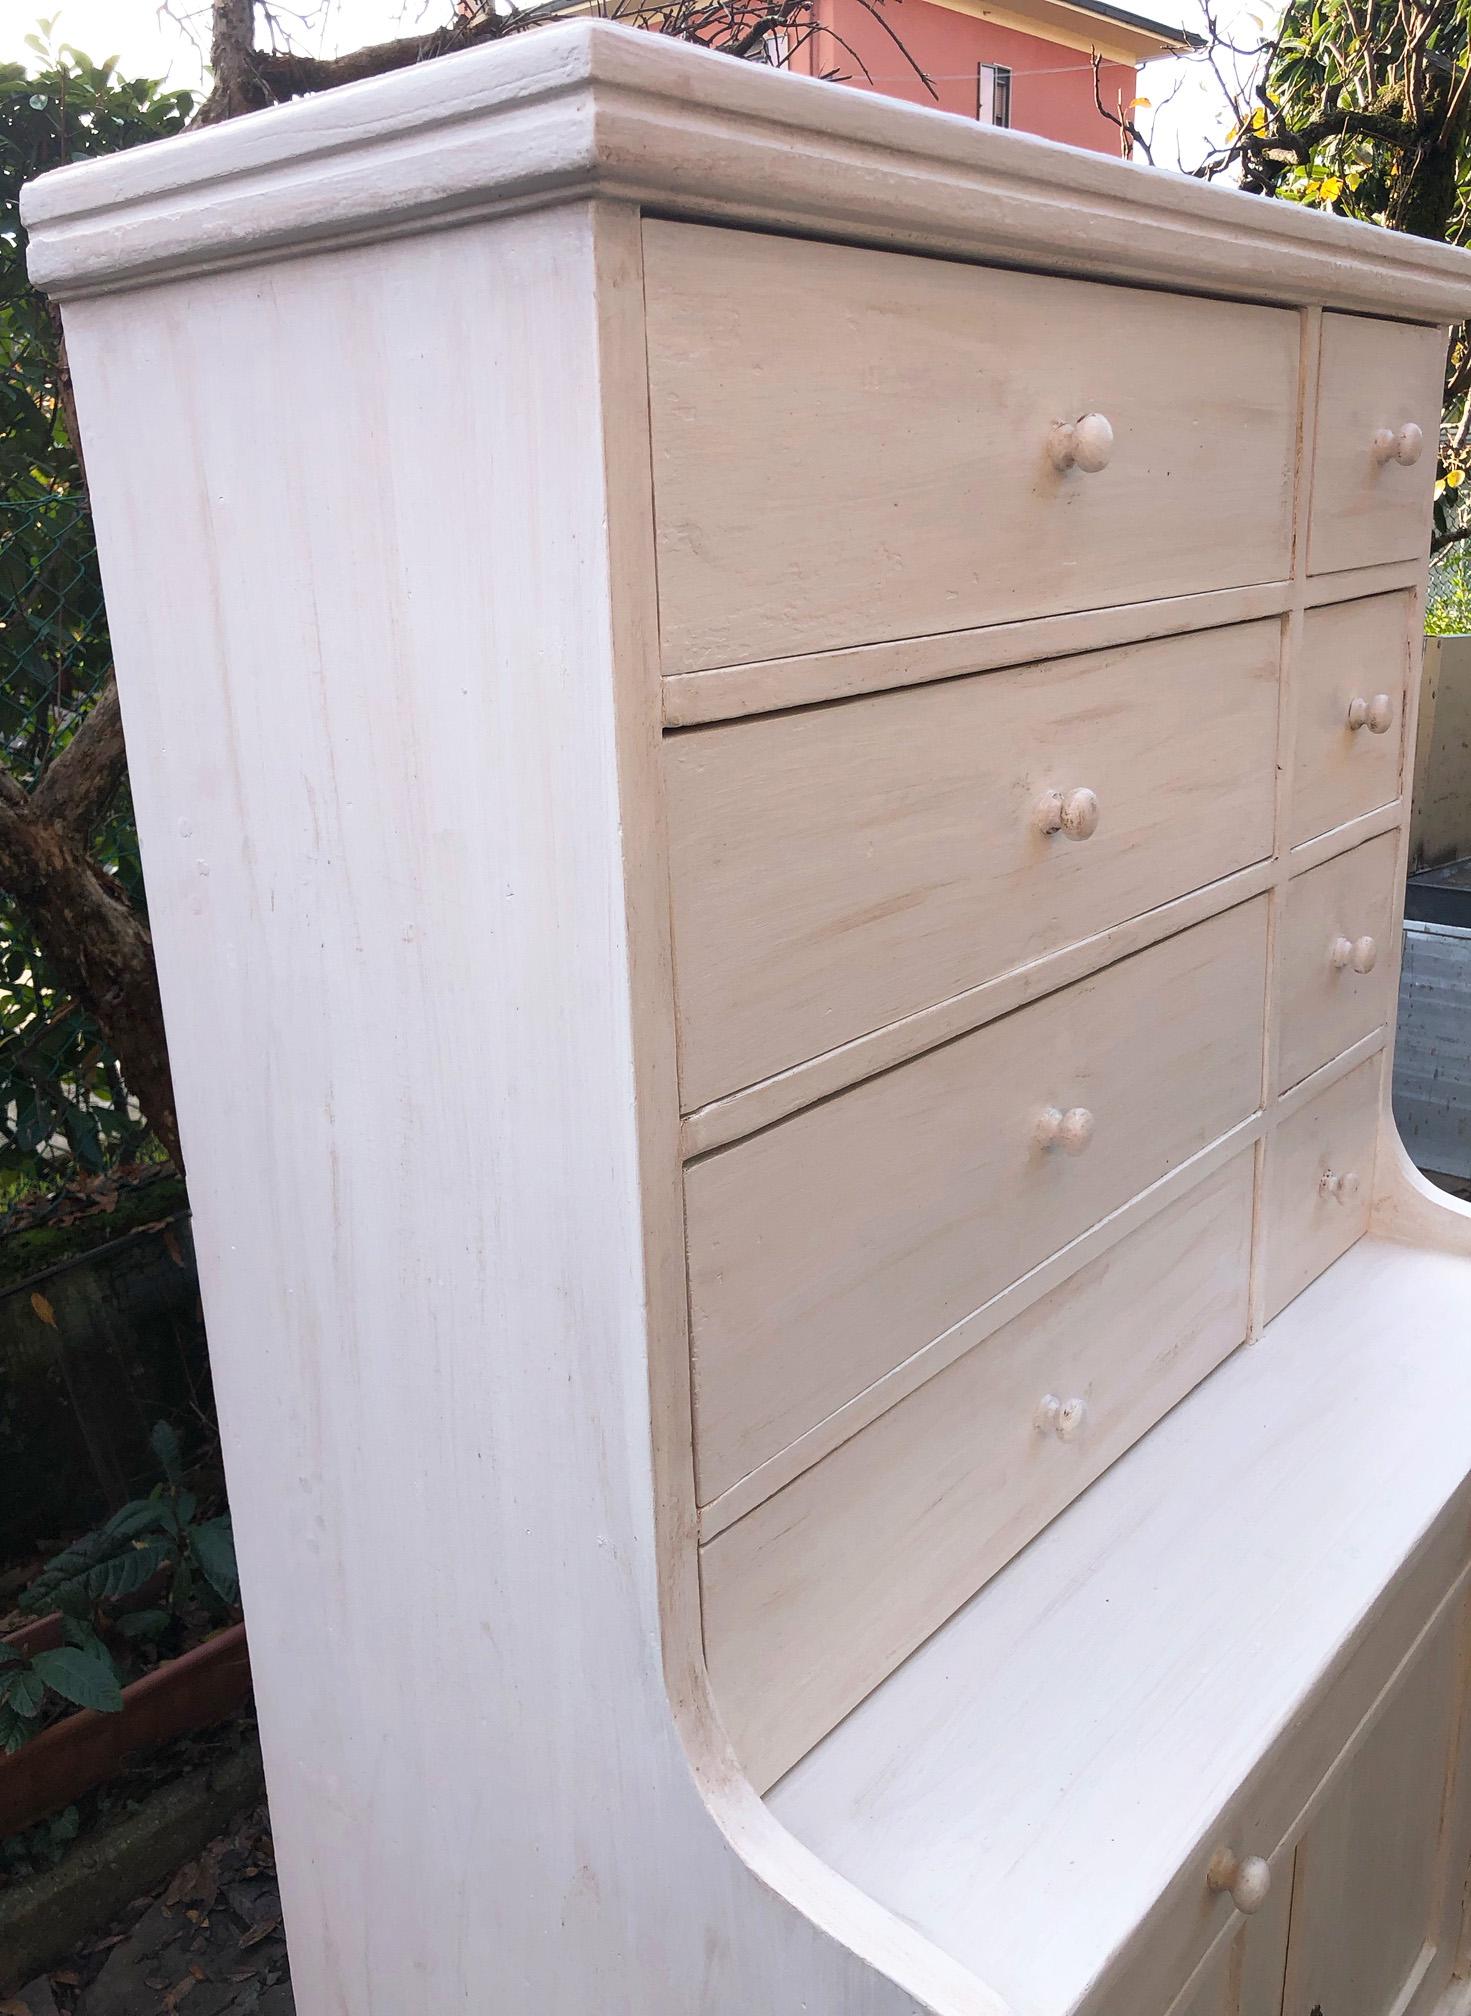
(1373, 1932)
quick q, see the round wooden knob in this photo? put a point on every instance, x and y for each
(1073, 813)
(1402, 446)
(1085, 443)
(1340, 1186)
(1062, 1418)
(1245, 1878)
(1376, 715)
(1070, 1131)
(1362, 954)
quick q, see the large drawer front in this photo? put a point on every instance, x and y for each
(839, 1576)
(852, 446)
(1337, 957)
(826, 1250)
(836, 869)
(1372, 487)
(1351, 684)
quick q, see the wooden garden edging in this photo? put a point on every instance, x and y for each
(200, 1687)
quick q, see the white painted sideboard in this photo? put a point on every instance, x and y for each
(771, 736)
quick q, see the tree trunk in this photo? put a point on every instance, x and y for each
(96, 944)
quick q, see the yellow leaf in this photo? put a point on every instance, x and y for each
(1140, 104)
(1259, 119)
(1330, 189)
(1455, 478)
(43, 1309)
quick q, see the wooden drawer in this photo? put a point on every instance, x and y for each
(1336, 968)
(1320, 1171)
(829, 1248)
(838, 868)
(853, 445)
(1354, 654)
(838, 1577)
(1369, 504)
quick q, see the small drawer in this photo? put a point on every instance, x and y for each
(829, 1248)
(1320, 1175)
(839, 1576)
(1352, 677)
(1336, 965)
(1379, 395)
(853, 446)
(838, 868)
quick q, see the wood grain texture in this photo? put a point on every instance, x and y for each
(838, 869)
(933, 1192)
(1244, 1972)
(1087, 1711)
(835, 1579)
(429, 1314)
(772, 1099)
(1324, 1007)
(1350, 650)
(732, 692)
(921, 393)
(592, 108)
(1366, 1895)
(1372, 375)
(1307, 1226)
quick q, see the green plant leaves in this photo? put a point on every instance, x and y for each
(213, 1546)
(86, 1679)
(164, 1442)
(24, 1689)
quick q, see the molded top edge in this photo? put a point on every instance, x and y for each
(589, 108)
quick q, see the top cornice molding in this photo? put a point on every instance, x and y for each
(589, 109)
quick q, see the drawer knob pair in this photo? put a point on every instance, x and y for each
(1402, 447)
(1376, 715)
(1073, 813)
(1062, 1418)
(1362, 954)
(1246, 1879)
(1340, 1187)
(1085, 443)
(1070, 1131)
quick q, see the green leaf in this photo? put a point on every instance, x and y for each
(164, 1443)
(86, 1679)
(143, 1515)
(142, 1627)
(24, 1690)
(126, 1573)
(15, 1729)
(213, 1548)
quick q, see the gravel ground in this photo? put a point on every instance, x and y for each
(207, 1943)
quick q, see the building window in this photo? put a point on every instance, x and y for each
(993, 94)
(776, 47)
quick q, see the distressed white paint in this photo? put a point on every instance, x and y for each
(365, 390)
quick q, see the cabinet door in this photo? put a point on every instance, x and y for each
(1375, 1901)
(1242, 1975)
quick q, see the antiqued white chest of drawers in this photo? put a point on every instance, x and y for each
(776, 733)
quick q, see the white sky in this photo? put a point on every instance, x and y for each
(148, 42)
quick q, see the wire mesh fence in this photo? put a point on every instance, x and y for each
(54, 652)
(63, 1105)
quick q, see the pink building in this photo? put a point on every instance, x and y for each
(1027, 63)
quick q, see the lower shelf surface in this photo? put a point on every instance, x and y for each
(1026, 1786)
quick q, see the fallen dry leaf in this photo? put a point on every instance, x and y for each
(262, 1929)
(43, 1308)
